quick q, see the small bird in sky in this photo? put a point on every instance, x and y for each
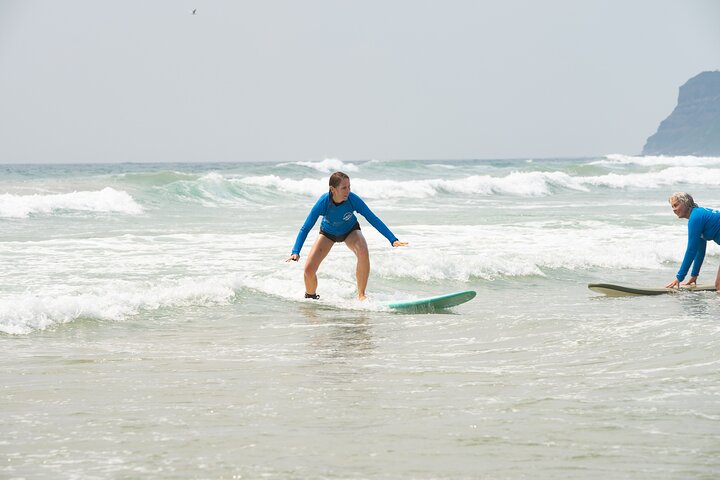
(194, 11)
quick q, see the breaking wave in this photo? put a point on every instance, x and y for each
(105, 200)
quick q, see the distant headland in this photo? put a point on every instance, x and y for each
(693, 128)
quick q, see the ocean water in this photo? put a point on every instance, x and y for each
(150, 326)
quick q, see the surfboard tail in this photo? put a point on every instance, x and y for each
(429, 305)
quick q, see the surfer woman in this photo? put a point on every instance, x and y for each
(339, 224)
(703, 225)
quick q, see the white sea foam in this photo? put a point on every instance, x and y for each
(328, 165)
(27, 312)
(207, 266)
(517, 183)
(520, 184)
(303, 186)
(649, 161)
(526, 184)
(215, 189)
(490, 252)
(668, 176)
(61, 279)
(105, 200)
(532, 184)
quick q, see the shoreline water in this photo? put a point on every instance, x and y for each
(171, 340)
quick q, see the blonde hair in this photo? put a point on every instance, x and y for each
(684, 198)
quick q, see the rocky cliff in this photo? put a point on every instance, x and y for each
(693, 128)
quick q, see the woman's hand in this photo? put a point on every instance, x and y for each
(676, 283)
(293, 258)
(398, 243)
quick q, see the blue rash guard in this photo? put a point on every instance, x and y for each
(339, 219)
(703, 225)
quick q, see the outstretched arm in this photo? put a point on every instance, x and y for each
(694, 253)
(309, 223)
(362, 208)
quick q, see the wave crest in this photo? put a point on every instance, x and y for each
(328, 165)
(215, 189)
(657, 160)
(105, 200)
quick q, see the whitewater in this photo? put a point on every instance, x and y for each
(151, 326)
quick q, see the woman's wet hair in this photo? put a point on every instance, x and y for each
(684, 198)
(337, 178)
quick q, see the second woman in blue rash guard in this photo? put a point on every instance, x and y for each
(339, 224)
(703, 225)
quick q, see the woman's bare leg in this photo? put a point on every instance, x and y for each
(317, 254)
(356, 242)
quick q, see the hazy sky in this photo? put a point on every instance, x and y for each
(143, 81)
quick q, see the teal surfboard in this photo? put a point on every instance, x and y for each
(432, 304)
(612, 290)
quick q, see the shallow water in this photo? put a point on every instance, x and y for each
(162, 334)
